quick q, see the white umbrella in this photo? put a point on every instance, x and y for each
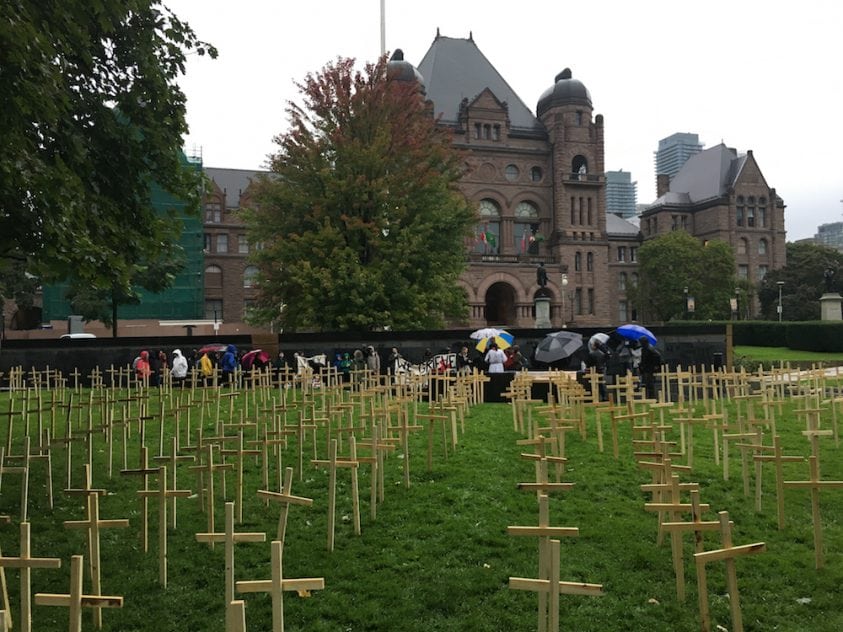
(486, 332)
(601, 338)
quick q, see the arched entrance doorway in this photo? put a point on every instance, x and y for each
(500, 304)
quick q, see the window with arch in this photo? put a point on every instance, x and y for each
(213, 276)
(742, 246)
(536, 174)
(762, 247)
(488, 230)
(739, 210)
(578, 261)
(589, 261)
(579, 167)
(622, 281)
(250, 275)
(526, 229)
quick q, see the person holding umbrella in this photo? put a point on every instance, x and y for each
(651, 361)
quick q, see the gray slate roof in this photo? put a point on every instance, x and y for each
(705, 176)
(454, 69)
(233, 182)
(616, 225)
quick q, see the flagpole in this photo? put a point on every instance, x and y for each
(383, 28)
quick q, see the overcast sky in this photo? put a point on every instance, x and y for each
(754, 74)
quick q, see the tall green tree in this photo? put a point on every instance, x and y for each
(90, 117)
(361, 222)
(674, 262)
(803, 282)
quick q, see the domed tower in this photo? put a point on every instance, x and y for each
(399, 70)
(579, 195)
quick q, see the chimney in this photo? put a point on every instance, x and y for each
(662, 184)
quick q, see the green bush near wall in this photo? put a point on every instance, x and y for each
(804, 336)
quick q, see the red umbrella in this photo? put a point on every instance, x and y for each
(212, 348)
(249, 358)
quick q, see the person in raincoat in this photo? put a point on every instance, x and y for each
(206, 367)
(495, 359)
(229, 364)
(179, 370)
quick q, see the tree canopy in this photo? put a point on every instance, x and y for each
(360, 225)
(90, 117)
(803, 282)
(674, 261)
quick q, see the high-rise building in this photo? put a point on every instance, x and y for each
(674, 151)
(830, 235)
(621, 193)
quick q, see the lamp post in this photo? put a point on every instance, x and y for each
(564, 290)
(685, 291)
(779, 306)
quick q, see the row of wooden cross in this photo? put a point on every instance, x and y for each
(117, 422)
(699, 399)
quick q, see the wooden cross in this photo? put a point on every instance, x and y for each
(277, 585)
(815, 485)
(23, 470)
(26, 563)
(163, 494)
(240, 453)
(145, 471)
(93, 524)
(552, 587)
(230, 538)
(75, 601)
(332, 464)
(544, 532)
(778, 458)
(172, 461)
(286, 499)
(208, 470)
(672, 509)
(727, 553)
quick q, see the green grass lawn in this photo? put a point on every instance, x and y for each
(437, 556)
(769, 355)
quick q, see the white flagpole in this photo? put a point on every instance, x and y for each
(383, 27)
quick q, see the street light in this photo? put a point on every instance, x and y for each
(779, 307)
(564, 289)
(685, 290)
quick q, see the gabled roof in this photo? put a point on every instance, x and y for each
(617, 225)
(233, 182)
(707, 175)
(455, 69)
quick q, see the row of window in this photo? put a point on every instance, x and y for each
(213, 276)
(622, 280)
(743, 246)
(743, 272)
(219, 244)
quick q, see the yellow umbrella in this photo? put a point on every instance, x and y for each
(503, 340)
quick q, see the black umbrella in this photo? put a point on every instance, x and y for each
(558, 346)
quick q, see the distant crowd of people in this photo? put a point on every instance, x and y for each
(638, 357)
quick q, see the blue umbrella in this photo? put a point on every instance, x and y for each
(634, 332)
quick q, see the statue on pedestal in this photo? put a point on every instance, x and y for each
(828, 277)
(541, 275)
